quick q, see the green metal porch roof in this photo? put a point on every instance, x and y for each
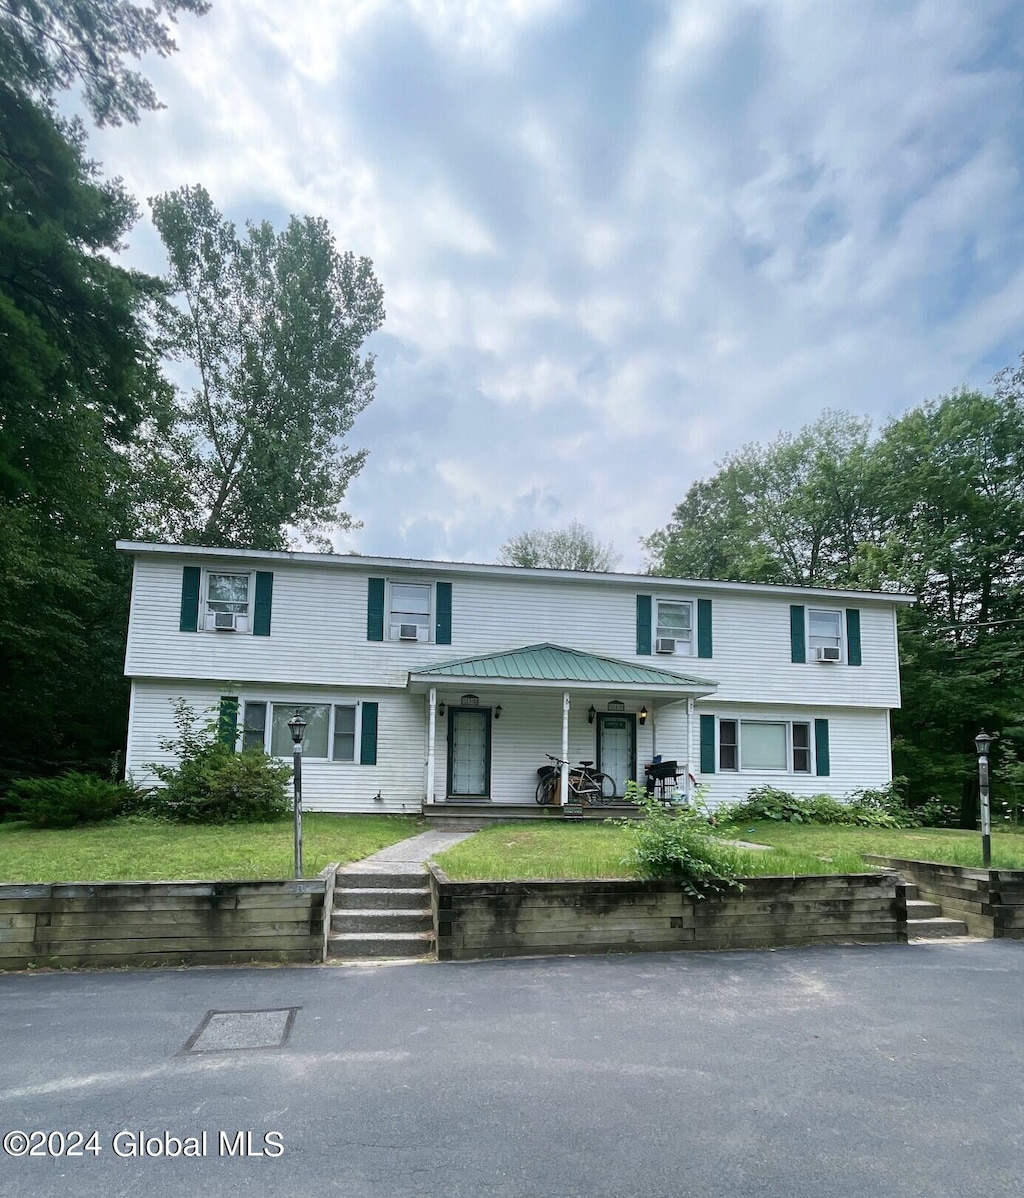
(556, 664)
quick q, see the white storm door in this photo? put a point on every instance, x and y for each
(616, 754)
(469, 752)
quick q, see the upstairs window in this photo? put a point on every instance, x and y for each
(824, 632)
(228, 602)
(409, 612)
(673, 632)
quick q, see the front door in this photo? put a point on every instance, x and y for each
(616, 747)
(469, 752)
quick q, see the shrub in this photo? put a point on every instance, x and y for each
(677, 843)
(870, 808)
(70, 798)
(211, 784)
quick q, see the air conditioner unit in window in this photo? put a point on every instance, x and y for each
(827, 653)
(408, 632)
(225, 621)
(665, 644)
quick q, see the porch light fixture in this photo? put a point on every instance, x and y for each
(616, 705)
(982, 743)
(591, 714)
(642, 715)
(470, 700)
(497, 712)
(441, 709)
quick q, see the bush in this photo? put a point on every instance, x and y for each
(70, 798)
(211, 784)
(881, 807)
(677, 843)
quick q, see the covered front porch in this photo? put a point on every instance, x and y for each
(492, 722)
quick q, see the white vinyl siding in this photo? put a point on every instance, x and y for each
(319, 634)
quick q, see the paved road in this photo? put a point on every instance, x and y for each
(879, 1071)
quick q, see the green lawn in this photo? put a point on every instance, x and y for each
(145, 850)
(507, 852)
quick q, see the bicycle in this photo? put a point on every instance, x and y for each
(586, 785)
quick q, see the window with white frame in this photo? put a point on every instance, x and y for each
(228, 601)
(330, 729)
(765, 745)
(674, 626)
(409, 611)
(825, 631)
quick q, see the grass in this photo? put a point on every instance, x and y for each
(137, 849)
(953, 846)
(506, 852)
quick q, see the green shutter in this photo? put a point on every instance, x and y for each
(704, 637)
(189, 599)
(707, 744)
(264, 602)
(853, 636)
(368, 735)
(443, 610)
(375, 610)
(797, 638)
(227, 721)
(821, 758)
(643, 625)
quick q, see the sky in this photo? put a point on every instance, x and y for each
(618, 240)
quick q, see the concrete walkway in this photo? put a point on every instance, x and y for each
(408, 855)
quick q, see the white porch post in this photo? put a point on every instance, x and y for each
(689, 747)
(431, 731)
(564, 782)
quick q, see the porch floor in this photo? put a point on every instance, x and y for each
(440, 814)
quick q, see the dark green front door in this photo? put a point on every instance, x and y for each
(469, 752)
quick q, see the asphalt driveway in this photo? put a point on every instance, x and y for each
(886, 1070)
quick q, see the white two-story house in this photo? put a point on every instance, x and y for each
(427, 683)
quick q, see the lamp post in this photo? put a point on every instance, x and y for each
(297, 727)
(983, 742)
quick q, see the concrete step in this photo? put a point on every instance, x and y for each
(385, 922)
(381, 898)
(922, 909)
(935, 928)
(911, 889)
(369, 944)
(385, 878)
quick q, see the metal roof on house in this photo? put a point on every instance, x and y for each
(555, 663)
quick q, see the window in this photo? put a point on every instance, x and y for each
(227, 602)
(328, 725)
(674, 622)
(824, 630)
(727, 745)
(764, 745)
(409, 612)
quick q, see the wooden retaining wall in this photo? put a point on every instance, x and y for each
(64, 924)
(989, 901)
(506, 919)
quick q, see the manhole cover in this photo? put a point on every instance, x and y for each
(238, 1031)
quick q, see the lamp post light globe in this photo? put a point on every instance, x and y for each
(297, 727)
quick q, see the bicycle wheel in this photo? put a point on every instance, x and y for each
(604, 785)
(586, 790)
(545, 794)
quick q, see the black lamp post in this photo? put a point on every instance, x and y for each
(297, 727)
(983, 742)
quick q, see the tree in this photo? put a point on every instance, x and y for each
(272, 324)
(77, 375)
(46, 46)
(795, 511)
(574, 547)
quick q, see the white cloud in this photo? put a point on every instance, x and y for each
(617, 242)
